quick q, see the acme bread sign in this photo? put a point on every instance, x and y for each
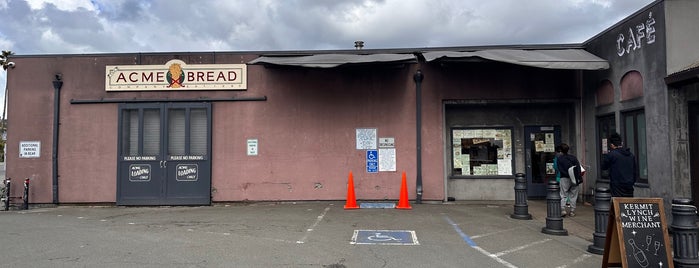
(176, 75)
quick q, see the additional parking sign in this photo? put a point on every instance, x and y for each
(29, 149)
(372, 161)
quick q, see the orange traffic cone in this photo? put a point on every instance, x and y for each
(403, 202)
(351, 202)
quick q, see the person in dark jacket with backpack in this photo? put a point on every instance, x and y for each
(569, 186)
(621, 164)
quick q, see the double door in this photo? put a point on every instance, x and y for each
(164, 154)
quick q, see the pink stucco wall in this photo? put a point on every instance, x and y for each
(305, 128)
(306, 133)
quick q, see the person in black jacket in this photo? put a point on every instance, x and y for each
(622, 167)
(569, 189)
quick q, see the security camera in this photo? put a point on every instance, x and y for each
(11, 64)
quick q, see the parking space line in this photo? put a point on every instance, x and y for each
(461, 233)
(496, 258)
(496, 232)
(577, 260)
(521, 247)
(476, 247)
(313, 226)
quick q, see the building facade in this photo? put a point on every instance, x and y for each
(647, 97)
(461, 122)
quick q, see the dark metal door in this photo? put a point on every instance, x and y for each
(539, 147)
(694, 148)
(164, 151)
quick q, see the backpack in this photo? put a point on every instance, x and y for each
(571, 173)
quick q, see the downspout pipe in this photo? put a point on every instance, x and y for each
(57, 84)
(418, 77)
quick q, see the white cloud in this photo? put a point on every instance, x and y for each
(67, 5)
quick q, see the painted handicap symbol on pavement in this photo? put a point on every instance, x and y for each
(384, 237)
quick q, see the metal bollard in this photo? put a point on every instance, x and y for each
(25, 197)
(521, 211)
(603, 205)
(554, 222)
(7, 194)
(684, 233)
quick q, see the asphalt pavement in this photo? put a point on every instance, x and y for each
(293, 234)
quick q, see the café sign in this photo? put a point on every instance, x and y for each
(176, 75)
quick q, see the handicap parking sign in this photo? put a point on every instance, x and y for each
(372, 161)
(384, 237)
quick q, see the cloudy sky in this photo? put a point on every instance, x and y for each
(108, 26)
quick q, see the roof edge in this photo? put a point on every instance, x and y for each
(315, 52)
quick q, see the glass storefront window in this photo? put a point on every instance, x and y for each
(482, 151)
(635, 139)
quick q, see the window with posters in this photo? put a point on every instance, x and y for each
(481, 151)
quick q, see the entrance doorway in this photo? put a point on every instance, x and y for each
(164, 154)
(539, 146)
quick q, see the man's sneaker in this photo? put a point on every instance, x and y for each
(572, 213)
(564, 213)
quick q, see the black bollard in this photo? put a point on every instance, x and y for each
(684, 233)
(25, 197)
(7, 194)
(603, 205)
(521, 211)
(554, 222)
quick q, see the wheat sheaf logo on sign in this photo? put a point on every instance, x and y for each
(175, 76)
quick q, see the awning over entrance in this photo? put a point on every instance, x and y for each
(334, 60)
(574, 59)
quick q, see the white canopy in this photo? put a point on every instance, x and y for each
(574, 59)
(334, 60)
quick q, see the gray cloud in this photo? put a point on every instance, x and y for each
(181, 25)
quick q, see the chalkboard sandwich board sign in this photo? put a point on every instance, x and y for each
(637, 234)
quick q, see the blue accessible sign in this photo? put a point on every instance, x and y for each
(372, 161)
